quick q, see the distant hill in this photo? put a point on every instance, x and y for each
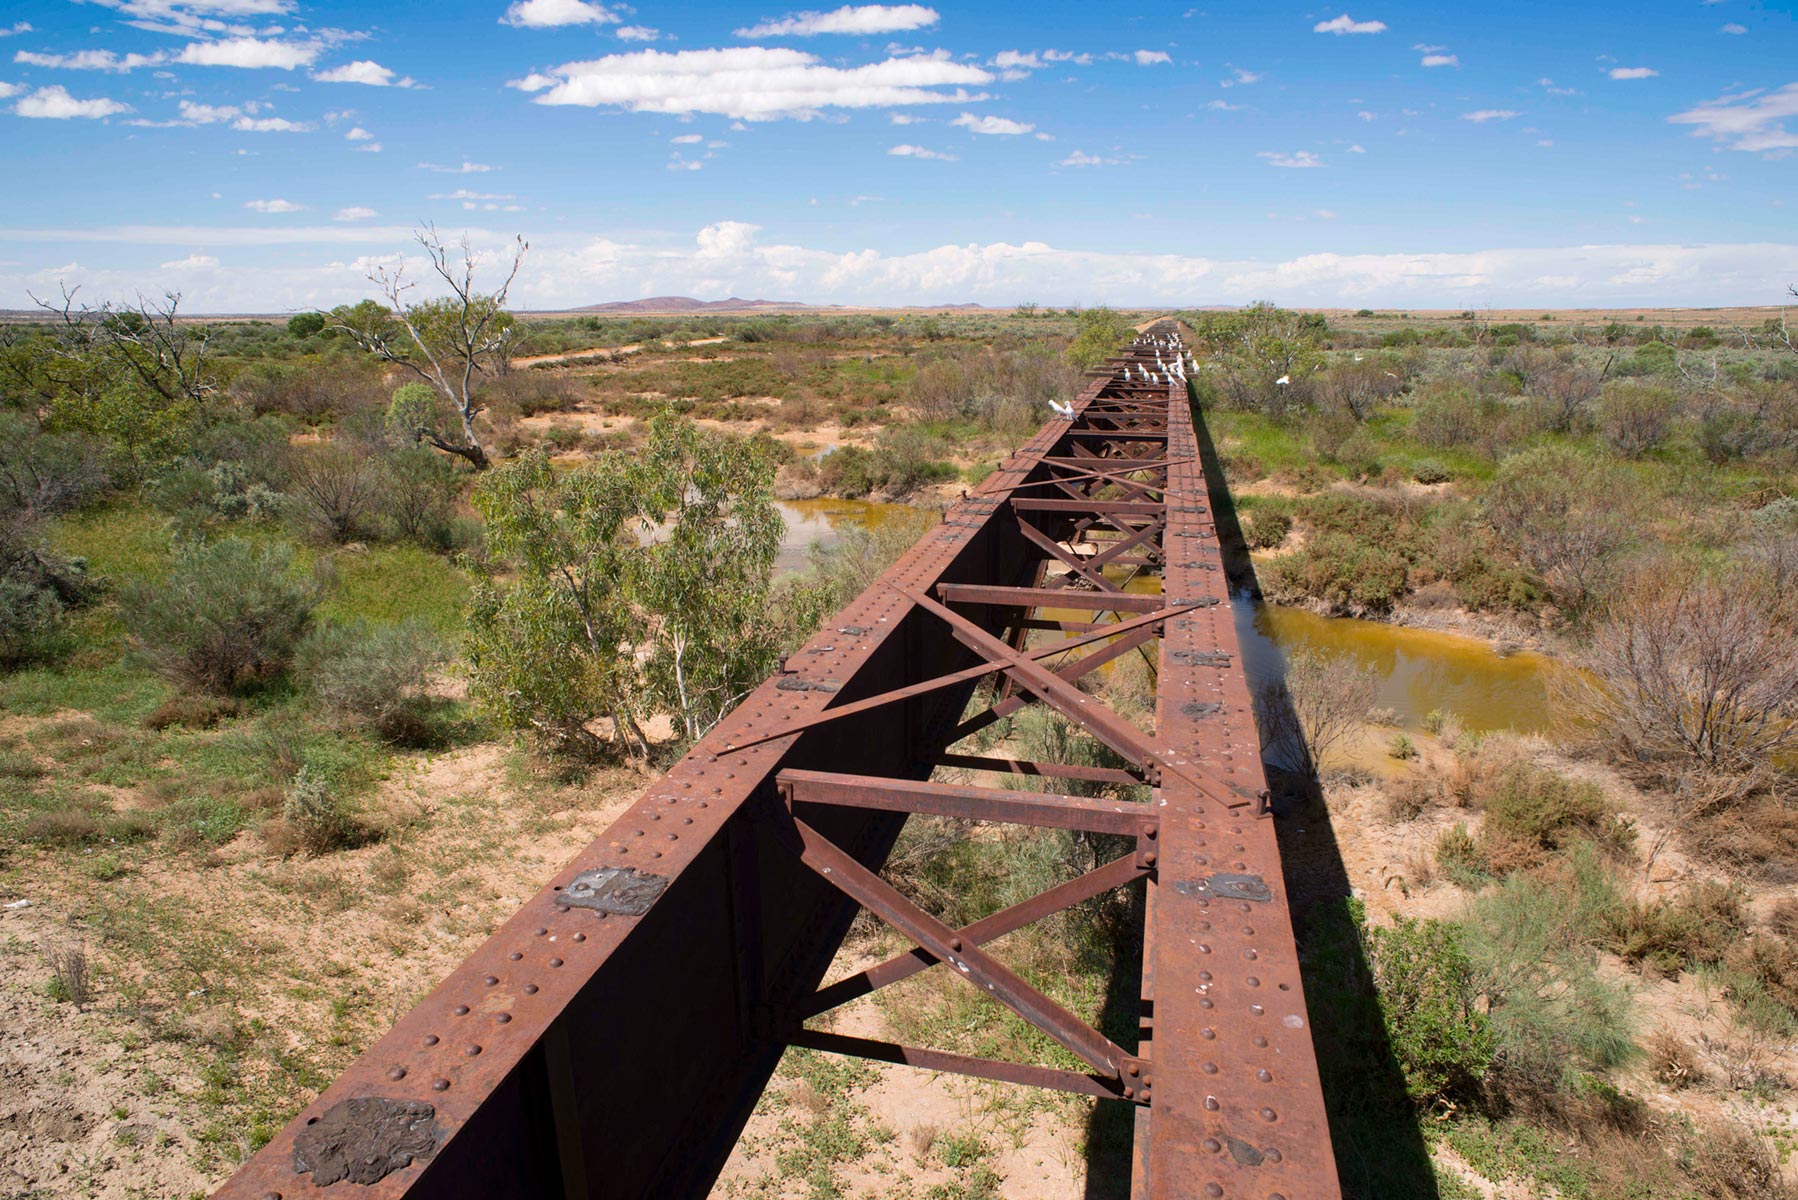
(683, 304)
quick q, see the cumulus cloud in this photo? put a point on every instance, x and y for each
(581, 267)
(250, 52)
(548, 14)
(355, 213)
(1238, 76)
(637, 33)
(9, 89)
(274, 206)
(359, 134)
(1346, 24)
(55, 103)
(465, 194)
(1752, 121)
(852, 19)
(193, 262)
(1733, 28)
(271, 125)
(16, 28)
(753, 83)
(1080, 158)
(90, 60)
(687, 139)
(1298, 159)
(1002, 126)
(1146, 58)
(467, 168)
(1481, 116)
(364, 71)
(1441, 60)
(905, 150)
(1633, 72)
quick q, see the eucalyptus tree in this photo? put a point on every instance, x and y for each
(449, 343)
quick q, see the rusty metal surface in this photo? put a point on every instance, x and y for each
(611, 1038)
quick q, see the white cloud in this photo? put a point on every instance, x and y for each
(1299, 159)
(56, 104)
(1633, 72)
(637, 33)
(574, 268)
(1346, 24)
(1240, 77)
(1441, 60)
(364, 71)
(904, 119)
(1490, 114)
(548, 14)
(9, 89)
(369, 148)
(193, 262)
(250, 52)
(1733, 28)
(1548, 85)
(208, 114)
(905, 150)
(675, 164)
(465, 194)
(687, 139)
(358, 134)
(1017, 61)
(1080, 158)
(1223, 106)
(90, 60)
(467, 168)
(17, 27)
(274, 206)
(1146, 58)
(1357, 149)
(1751, 121)
(355, 213)
(271, 125)
(755, 83)
(1323, 214)
(992, 125)
(852, 19)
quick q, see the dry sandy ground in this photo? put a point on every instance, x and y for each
(207, 968)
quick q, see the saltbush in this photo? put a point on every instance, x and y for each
(373, 673)
(1430, 999)
(226, 619)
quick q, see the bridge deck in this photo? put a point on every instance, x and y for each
(613, 1036)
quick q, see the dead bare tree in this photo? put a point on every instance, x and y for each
(1692, 672)
(447, 342)
(145, 342)
(1322, 699)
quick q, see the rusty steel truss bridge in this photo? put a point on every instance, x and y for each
(612, 1038)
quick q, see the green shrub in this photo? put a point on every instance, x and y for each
(1448, 415)
(418, 494)
(1265, 528)
(1350, 574)
(1429, 471)
(373, 673)
(1531, 811)
(1634, 418)
(225, 620)
(1430, 1000)
(317, 816)
(1459, 858)
(1696, 927)
(1401, 747)
(31, 628)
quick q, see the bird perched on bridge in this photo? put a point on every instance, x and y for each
(1064, 411)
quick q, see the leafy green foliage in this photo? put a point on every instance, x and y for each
(1430, 998)
(1101, 334)
(639, 583)
(227, 617)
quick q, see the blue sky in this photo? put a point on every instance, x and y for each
(263, 155)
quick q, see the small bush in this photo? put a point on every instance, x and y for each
(225, 620)
(418, 494)
(70, 980)
(1671, 1057)
(1531, 811)
(1448, 415)
(1401, 747)
(1696, 927)
(1430, 471)
(338, 490)
(1348, 573)
(1265, 528)
(373, 673)
(318, 818)
(1459, 858)
(1634, 418)
(1429, 997)
(31, 623)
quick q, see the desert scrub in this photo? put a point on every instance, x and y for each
(1532, 811)
(1695, 927)
(227, 617)
(375, 674)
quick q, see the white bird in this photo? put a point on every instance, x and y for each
(1064, 411)
(1283, 380)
